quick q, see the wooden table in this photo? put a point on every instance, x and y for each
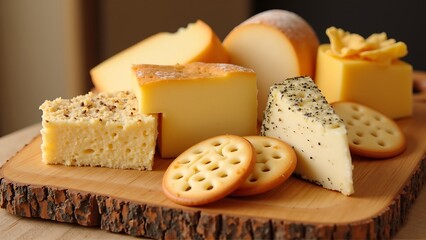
(13, 227)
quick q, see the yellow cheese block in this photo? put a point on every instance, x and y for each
(386, 88)
(276, 44)
(195, 43)
(196, 101)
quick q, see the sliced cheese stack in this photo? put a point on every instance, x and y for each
(197, 101)
(298, 114)
(276, 44)
(196, 42)
(102, 130)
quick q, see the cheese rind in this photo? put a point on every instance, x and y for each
(195, 43)
(197, 101)
(298, 114)
(386, 88)
(276, 44)
(103, 130)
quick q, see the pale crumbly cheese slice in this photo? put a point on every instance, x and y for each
(104, 130)
(371, 133)
(275, 162)
(197, 101)
(209, 170)
(195, 43)
(298, 114)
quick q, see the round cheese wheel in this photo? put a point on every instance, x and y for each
(276, 44)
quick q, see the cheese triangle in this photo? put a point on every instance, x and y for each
(298, 114)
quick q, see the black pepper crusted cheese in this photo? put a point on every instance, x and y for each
(305, 97)
(298, 113)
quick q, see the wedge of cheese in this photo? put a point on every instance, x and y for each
(195, 43)
(276, 44)
(98, 130)
(196, 101)
(298, 114)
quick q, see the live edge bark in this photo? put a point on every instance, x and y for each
(158, 222)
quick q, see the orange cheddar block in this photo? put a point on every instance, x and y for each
(386, 88)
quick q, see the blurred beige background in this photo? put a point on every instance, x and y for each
(47, 47)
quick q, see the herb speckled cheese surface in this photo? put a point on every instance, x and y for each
(299, 114)
(104, 130)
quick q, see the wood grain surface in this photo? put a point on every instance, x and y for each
(384, 192)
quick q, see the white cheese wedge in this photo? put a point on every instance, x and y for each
(104, 130)
(276, 44)
(196, 101)
(298, 114)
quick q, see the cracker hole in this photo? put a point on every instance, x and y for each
(355, 108)
(356, 117)
(267, 145)
(367, 123)
(388, 131)
(187, 188)
(381, 143)
(128, 150)
(258, 152)
(177, 176)
(200, 178)
(359, 134)
(88, 151)
(197, 151)
(223, 175)
(276, 156)
(209, 187)
(356, 141)
(377, 118)
(207, 161)
(214, 168)
(235, 161)
(184, 161)
(266, 169)
(374, 134)
(350, 123)
(253, 179)
(216, 144)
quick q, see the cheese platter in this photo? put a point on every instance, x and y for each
(125, 157)
(131, 201)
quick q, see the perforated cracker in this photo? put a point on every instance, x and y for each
(275, 162)
(370, 133)
(209, 170)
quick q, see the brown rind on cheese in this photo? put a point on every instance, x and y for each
(147, 73)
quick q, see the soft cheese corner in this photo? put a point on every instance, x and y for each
(367, 71)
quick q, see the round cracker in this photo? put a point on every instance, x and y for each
(370, 133)
(275, 162)
(209, 170)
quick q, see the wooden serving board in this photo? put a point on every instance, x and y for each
(132, 201)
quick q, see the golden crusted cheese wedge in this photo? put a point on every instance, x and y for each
(195, 43)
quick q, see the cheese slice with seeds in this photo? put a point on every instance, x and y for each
(104, 130)
(298, 114)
